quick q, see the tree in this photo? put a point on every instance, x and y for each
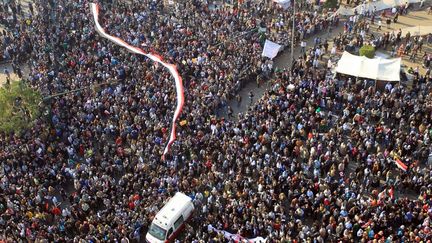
(331, 4)
(19, 106)
(367, 51)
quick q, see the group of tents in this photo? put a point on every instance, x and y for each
(372, 6)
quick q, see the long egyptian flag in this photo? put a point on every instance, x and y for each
(156, 58)
(236, 237)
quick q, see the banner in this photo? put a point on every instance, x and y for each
(236, 237)
(271, 49)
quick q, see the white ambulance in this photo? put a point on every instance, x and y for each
(171, 219)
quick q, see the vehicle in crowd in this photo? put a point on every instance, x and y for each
(171, 219)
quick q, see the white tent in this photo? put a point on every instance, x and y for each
(373, 5)
(383, 4)
(271, 49)
(377, 68)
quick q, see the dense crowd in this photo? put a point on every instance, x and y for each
(314, 147)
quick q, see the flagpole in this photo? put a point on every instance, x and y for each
(292, 33)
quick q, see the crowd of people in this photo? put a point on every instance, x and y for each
(313, 147)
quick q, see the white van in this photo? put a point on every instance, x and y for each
(171, 219)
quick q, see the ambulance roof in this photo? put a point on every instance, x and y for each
(172, 210)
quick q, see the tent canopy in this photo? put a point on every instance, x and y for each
(377, 68)
(373, 5)
(382, 4)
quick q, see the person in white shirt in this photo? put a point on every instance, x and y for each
(329, 64)
(318, 53)
(315, 63)
(303, 46)
(333, 51)
(388, 86)
(363, 34)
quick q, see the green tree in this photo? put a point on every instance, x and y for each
(331, 4)
(19, 106)
(367, 51)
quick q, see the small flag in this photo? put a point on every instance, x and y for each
(391, 192)
(401, 165)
